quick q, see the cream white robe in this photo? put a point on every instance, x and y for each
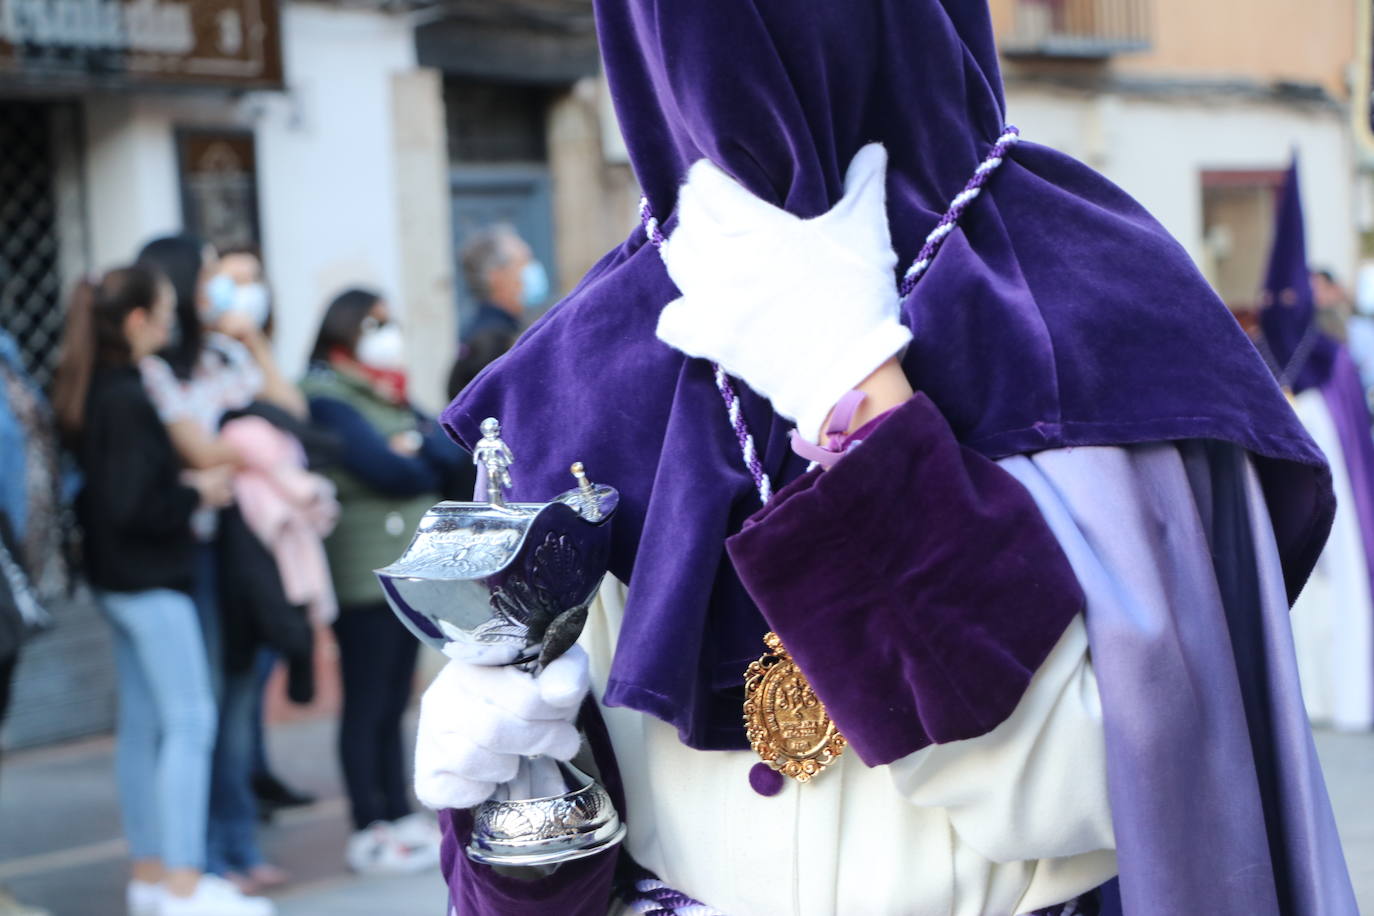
(1333, 618)
(1009, 822)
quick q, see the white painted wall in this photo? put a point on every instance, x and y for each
(1157, 149)
(132, 194)
(327, 165)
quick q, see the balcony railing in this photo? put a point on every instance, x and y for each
(1079, 28)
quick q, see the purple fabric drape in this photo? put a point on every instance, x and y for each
(1058, 313)
(1218, 802)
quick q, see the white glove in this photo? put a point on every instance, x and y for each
(802, 310)
(476, 722)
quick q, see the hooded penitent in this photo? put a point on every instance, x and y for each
(1302, 357)
(1299, 353)
(1058, 313)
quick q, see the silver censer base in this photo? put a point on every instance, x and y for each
(545, 831)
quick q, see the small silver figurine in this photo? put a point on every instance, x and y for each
(510, 584)
(495, 457)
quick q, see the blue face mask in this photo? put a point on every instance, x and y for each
(534, 285)
(221, 292)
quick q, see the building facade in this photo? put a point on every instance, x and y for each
(310, 131)
(1196, 109)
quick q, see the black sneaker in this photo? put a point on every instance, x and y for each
(273, 794)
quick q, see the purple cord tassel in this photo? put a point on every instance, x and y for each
(652, 897)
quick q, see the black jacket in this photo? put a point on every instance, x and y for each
(135, 513)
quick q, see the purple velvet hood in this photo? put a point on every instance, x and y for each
(1301, 354)
(1059, 313)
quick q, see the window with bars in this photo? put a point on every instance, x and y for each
(1079, 28)
(42, 226)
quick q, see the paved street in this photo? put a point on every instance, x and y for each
(1348, 761)
(60, 843)
(60, 846)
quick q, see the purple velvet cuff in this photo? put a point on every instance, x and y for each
(579, 888)
(915, 583)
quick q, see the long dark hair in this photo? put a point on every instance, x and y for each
(342, 323)
(180, 259)
(94, 337)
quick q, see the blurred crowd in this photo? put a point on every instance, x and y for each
(225, 518)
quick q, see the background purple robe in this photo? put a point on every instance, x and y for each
(1288, 319)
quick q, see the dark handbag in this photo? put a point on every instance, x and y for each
(254, 609)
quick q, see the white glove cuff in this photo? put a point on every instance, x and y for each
(859, 359)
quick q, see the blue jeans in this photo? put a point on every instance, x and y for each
(263, 664)
(166, 727)
(232, 839)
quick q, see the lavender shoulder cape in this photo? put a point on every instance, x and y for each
(1217, 796)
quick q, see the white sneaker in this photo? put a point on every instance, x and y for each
(216, 897)
(417, 829)
(143, 898)
(379, 850)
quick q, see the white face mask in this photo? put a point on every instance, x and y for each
(382, 347)
(252, 300)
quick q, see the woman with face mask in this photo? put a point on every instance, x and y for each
(393, 465)
(218, 362)
(140, 559)
(238, 291)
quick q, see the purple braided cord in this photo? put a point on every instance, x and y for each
(735, 409)
(652, 897)
(646, 216)
(1010, 137)
(733, 406)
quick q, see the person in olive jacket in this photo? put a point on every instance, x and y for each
(394, 464)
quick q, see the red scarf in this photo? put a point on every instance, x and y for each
(388, 384)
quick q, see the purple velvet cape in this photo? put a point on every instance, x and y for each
(1059, 313)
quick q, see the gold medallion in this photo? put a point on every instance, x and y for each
(785, 721)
